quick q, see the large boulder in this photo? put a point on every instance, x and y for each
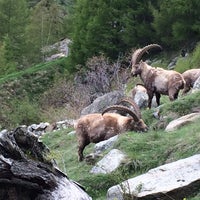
(175, 180)
(177, 123)
(100, 103)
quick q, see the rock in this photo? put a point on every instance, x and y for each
(172, 64)
(102, 146)
(141, 99)
(177, 123)
(68, 123)
(175, 180)
(38, 129)
(196, 86)
(109, 163)
(102, 102)
(140, 96)
(61, 48)
(27, 172)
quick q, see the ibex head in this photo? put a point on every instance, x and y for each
(136, 58)
(136, 124)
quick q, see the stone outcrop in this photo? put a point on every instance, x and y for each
(170, 181)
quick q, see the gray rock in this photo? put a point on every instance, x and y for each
(102, 146)
(196, 86)
(170, 181)
(38, 129)
(102, 102)
(109, 163)
(177, 123)
(141, 99)
(68, 123)
(172, 64)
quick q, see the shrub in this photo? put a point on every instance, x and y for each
(21, 112)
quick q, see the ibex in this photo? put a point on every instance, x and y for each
(190, 76)
(96, 127)
(156, 80)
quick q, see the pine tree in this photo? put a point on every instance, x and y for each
(177, 21)
(45, 28)
(109, 27)
(13, 18)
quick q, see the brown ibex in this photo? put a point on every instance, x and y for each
(96, 127)
(156, 80)
(190, 76)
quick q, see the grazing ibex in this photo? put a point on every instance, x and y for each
(190, 76)
(156, 80)
(96, 127)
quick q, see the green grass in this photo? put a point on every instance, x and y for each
(145, 151)
(30, 70)
(190, 62)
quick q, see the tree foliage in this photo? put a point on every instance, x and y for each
(45, 28)
(95, 27)
(177, 21)
(13, 18)
(111, 27)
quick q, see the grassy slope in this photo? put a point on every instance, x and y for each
(30, 70)
(145, 151)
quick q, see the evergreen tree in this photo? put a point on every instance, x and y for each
(109, 27)
(45, 28)
(177, 21)
(13, 19)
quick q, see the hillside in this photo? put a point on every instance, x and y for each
(145, 151)
(22, 93)
(43, 92)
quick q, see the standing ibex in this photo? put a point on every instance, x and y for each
(96, 127)
(156, 80)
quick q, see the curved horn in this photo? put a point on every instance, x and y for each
(137, 55)
(122, 108)
(133, 104)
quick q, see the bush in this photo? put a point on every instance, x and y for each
(102, 75)
(21, 112)
(64, 100)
